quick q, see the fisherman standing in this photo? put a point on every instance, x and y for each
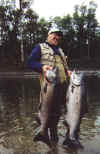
(44, 57)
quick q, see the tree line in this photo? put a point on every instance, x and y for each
(81, 31)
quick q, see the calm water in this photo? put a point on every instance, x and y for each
(19, 100)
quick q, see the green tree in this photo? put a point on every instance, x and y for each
(85, 25)
(91, 28)
(30, 30)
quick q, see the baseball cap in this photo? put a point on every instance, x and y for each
(55, 30)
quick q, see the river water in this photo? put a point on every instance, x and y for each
(19, 98)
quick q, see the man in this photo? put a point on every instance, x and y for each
(44, 57)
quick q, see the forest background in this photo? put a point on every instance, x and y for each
(21, 29)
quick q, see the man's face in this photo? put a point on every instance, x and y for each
(54, 39)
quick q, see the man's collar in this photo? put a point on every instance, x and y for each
(53, 46)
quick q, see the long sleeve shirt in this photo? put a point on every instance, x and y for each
(35, 57)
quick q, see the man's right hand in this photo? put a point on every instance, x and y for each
(45, 68)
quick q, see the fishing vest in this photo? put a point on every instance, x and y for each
(48, 57)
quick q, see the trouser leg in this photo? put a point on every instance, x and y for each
(84, 108)
(55, 114)
(63, 92)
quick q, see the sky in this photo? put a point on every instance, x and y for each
(52, 8)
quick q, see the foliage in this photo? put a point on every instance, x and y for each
(81, 32)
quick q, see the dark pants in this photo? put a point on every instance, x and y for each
(83, 92)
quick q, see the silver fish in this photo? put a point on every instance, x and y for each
(74, 103)
(51, 75)
(48, 118)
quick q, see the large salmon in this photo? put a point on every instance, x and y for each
(74, 104)
(49, 110)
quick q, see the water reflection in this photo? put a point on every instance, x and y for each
(19, 100)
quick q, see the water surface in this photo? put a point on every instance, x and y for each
(19, 98)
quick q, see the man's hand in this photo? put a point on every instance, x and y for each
(45, 68)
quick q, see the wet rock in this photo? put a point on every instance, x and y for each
(4, 150)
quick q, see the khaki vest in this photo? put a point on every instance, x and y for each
(50, 58)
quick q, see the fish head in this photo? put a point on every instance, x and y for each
(76, 77)
(52, 75)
